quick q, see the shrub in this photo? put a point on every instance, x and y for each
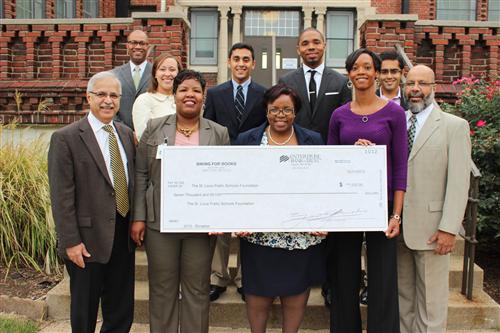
(479, 103)
(27, 233)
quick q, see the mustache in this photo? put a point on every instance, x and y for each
(416, 94)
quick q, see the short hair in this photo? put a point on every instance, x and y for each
(392, 55)
(353, 57)
(101, 76)
(188, 74)
(156, 64)
(279, 89)
(311, 29)
(239, 46)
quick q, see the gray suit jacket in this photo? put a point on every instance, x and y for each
(129, 93)
(332, 93)
(82, 194)
(439, 168)
(148, 168)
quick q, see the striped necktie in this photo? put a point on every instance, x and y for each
(239, 103)
(137, 76)
(118, 171)
(411, 132)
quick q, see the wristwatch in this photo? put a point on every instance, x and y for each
(396, 217)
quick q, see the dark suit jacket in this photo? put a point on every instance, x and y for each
(148, 168)
(404, 103)
(332, 93)
(219, 107)
(253, 137)
(129, 93)
(82, 195)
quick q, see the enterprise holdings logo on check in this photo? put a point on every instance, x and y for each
(300, 160)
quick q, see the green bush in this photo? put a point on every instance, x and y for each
(27, 233)
(479, 103)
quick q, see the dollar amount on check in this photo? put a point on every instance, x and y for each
(259, 189)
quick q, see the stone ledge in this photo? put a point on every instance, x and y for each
(32, 309)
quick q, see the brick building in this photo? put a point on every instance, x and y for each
(49, 48)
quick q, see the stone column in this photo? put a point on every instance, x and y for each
(320, 22)
(307, 16)
(236, 23)
(223, 39)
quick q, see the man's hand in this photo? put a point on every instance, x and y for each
(445, 242)
(137, 232)
(76, 254)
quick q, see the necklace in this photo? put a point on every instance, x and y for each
(364, 119)
(186, 131)
(280, 143)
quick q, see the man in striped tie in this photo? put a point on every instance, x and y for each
(91, 177)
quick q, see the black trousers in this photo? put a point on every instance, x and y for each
(112, 284)
(345, 276)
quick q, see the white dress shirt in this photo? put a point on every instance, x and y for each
(103, 140)
(243, 85)
(396, 99)
(421, 118)
(317, 76)
(141, 66)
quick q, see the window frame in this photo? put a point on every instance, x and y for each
(85, 12)
(330, 61)
(193, 59)
(29, 7)
(64, 2)
(496, 10)
(440, 11)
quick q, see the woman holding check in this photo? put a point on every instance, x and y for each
(280, 264)
(369, 120)
(174, 259)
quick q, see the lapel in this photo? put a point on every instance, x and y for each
(127, 76)
(325, 78)
(206, 132)
(168, 130)
(90, 142)
(300, 79)
(127, 146)
(431, 125)
(228, 99)
(249, 102)
(145, 78)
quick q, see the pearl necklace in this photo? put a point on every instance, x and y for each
(280, 143)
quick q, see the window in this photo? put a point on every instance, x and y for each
(494, 10)
(204, 26)
(339, 37)
(30, 9)
(65, 8)
(264, 23)
(90, 8)
(460, 10)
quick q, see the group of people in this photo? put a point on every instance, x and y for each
(105, 179)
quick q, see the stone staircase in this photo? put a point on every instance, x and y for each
(482, 313)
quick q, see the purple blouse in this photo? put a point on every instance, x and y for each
(386, 127)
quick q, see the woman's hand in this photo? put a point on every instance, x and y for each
(393, 228)
(364, 142)
(319, 233)
(137, 232)
(243, 233)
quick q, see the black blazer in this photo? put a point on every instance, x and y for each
(332, 93)
(403, 101)
(219, 107)
(253, 137)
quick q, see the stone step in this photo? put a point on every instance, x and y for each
(229, 310)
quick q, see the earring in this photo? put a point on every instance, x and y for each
(349, 84)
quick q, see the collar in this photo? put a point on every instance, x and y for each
(319, 70)
(96, 124)
(244, 85)
(422, 115)
(142, 66)
(398, 95)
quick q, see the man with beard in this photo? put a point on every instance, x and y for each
(434, 205)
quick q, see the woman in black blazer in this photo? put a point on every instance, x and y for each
(280, 264)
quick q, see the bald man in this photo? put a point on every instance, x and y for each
(134, 75)
(434, 204)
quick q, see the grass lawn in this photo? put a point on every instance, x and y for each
(11, 324)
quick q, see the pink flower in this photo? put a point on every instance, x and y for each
(471, 132)
(480, 123)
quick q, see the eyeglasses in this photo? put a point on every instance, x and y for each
(102, 95)
(286, 111)
(393, 71)
(419, 83)
(137, 42)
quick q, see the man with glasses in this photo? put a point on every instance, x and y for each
(134, 75)
(91, 178)
(436, 196)
(389, 78)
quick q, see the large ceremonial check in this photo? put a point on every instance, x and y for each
(293, 188)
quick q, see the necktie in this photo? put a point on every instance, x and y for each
(118, 171)
(312, 89)
(411, 132)
(137, 76)
(239, 103)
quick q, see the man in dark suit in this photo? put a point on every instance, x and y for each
(327, 91)
(237, 105)
(134, 75)
(91, 178)
(389, 78)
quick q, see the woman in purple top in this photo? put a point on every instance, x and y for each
(369, 120)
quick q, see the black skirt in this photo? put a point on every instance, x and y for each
(273, 272)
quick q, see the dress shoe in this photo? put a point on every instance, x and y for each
(327, 295)
(240, 291)
(363, 297)
(215, 292)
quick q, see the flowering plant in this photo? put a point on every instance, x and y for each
(479, 103)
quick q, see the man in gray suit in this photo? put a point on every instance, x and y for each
(434, 205)
(91, 178)
(134, 75)
(327, 91)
